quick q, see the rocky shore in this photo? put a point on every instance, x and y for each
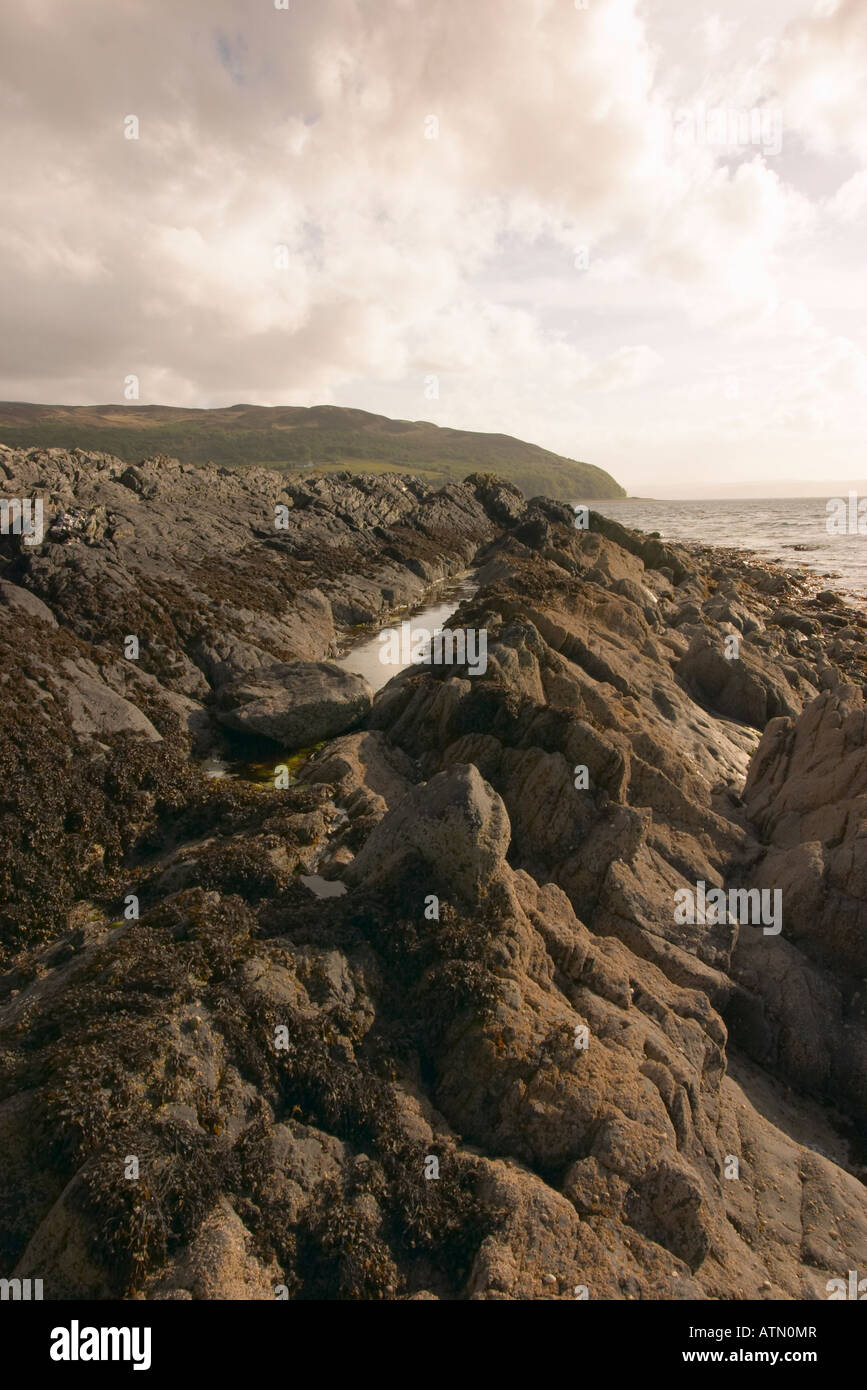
(497, 1062)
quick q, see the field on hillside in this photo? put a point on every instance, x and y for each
(319, 438)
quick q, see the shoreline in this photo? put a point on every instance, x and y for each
(809, 541)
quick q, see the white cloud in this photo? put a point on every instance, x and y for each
(849, 203)
(404, 256)
(820, 74)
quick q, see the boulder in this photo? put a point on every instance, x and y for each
(296, 703)
(12, 596)
(97, 710)
(456, 822)
(362, 761)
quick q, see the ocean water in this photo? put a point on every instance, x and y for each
(790, 530)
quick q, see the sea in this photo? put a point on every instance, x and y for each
(792, 531)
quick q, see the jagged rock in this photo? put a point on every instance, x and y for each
(359, 761)
(582, 1067)
(744, 688)
(455, 822)
(807, 792)
(194, 557)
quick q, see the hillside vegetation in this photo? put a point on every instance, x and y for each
(318, 438)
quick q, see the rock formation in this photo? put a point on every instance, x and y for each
(499, 1065)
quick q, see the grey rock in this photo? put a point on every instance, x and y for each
(12, 596)
(747, 687)
(296, 703)
(97, 710)
(456, 822)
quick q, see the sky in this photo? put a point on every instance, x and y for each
(629, 231)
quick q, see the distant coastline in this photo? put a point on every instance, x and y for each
(792, 531)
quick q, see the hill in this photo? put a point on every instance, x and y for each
(323, 438)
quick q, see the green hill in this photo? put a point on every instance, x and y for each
(322, 438)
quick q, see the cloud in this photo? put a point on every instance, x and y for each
(820, 74)
(336, 201)
(298, 134)
(849, 203)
